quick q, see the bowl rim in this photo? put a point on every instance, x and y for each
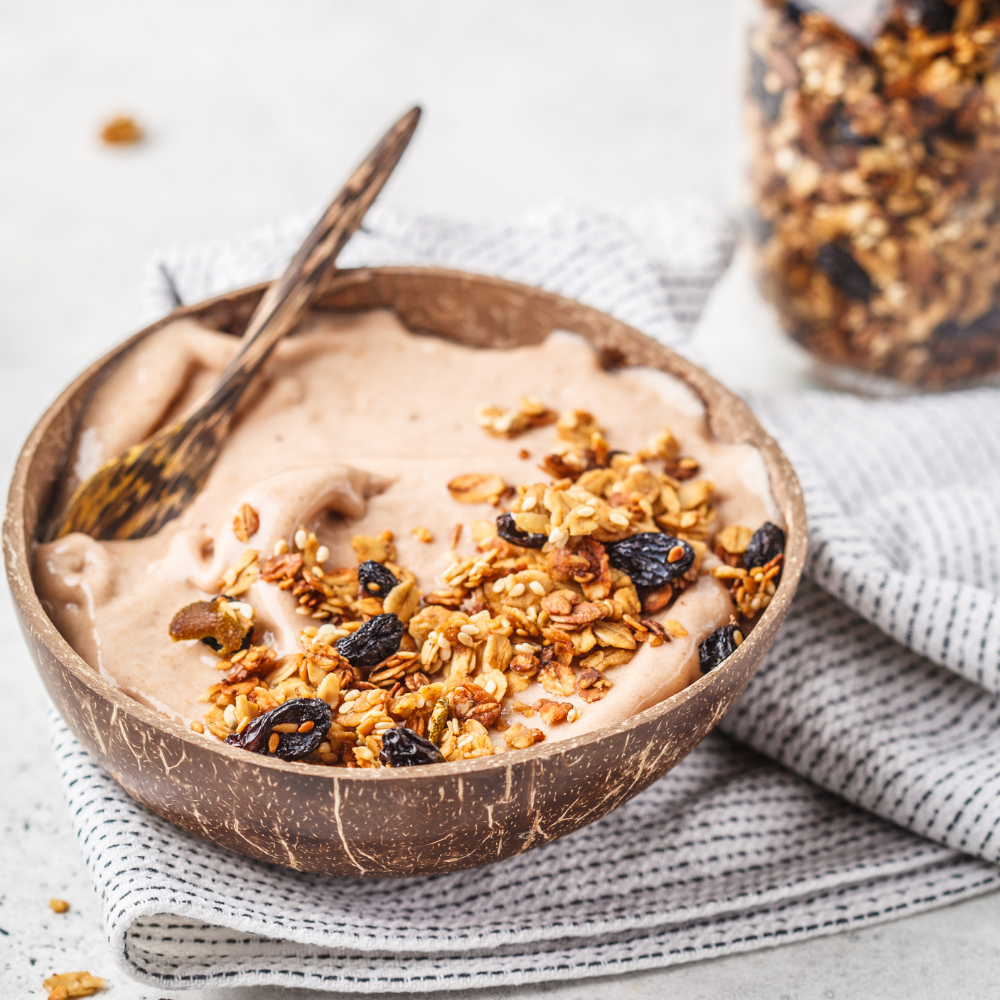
(18, 550)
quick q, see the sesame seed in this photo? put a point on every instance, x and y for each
(615, 517)
(465, 639)
(364, 753)
(300, 610)
(537, 588)
(676, 554)
(307, 727)
(197, 727)
(585, 511)
(443, 642)
(470, 629)
(322, 554)
(327, 629)
(280, 547)
(524, 647)
(517, 590)
(528, 503)
(301, 539)
(498, 586)
(272, 742)
(352, 694)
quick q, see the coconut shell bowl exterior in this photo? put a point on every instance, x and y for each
(415, 820)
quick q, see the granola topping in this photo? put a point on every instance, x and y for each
(394, 677)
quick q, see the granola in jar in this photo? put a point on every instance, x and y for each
(875, 186)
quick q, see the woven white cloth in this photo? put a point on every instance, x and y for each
(881, 688)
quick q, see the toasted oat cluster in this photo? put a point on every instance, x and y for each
(875, 178)
(558, 592)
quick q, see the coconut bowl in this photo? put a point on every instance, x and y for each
(408, 821)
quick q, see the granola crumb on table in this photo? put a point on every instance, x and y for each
(559, 592)
(65, 985)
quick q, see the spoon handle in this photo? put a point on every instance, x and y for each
(285, 302)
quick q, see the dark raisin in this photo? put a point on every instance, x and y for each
(291, 746)
(376, 640)
(765, 543)
(719, 645)
(404, 748)
(375, 578)
(936, 17)
(509, 532)
(646, 558)
(844, 272)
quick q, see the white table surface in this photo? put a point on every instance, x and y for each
(256, 109)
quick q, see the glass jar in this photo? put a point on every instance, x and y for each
(875, 186)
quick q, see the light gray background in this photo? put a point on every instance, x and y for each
(257, 109)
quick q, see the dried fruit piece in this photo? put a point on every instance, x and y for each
(476, 487)
(509, 531)
(767, 542)
(844, 272)
(374, 642)
(721, 644)
(260, 736)
(651, 558)
(246, 523)
(402, 747)
(374, 578)
(217, 623)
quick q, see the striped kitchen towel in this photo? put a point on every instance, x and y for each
(857, 778)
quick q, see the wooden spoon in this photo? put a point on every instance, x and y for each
(137, 493)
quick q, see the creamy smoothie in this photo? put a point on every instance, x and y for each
(355, 429)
